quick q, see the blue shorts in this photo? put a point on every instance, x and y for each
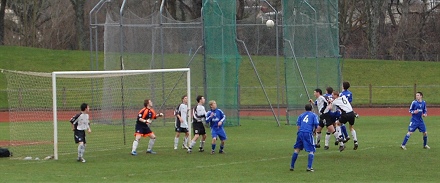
(220, 132)
(305, 141)
(414, 126)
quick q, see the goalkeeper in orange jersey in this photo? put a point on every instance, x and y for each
(145, 117)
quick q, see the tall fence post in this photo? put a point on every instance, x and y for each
(415, 90)
(238, 96)
(370, 89)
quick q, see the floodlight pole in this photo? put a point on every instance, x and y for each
(278, 53)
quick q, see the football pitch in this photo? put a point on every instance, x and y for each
(256, 151)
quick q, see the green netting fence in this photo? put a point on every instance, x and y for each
(222, 59)
(311, 50)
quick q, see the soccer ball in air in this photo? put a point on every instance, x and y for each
(270, 23)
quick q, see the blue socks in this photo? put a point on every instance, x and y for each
(405, 140)
(425, 140)
(310, 161)
(344, 131)
(221, 148)
(294, 157)
(213, 147)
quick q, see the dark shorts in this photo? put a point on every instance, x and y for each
(142, 130)
(326, 120)
(198, 128)
(80, 136)
(181, 130)
(347, 117)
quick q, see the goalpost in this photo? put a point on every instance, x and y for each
(41, 104)
(121, 74)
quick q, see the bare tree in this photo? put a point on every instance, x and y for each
(2, 21)
(31, 17)
(373, 13)
(78, 6)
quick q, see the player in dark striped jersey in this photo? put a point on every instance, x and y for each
(199, 117)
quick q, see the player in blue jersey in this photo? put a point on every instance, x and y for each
(216, 119)
(328, 93)
(418, 111)
(307, 123)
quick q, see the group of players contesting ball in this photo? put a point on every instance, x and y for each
(333, 111)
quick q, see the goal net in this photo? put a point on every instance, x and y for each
(41, 104)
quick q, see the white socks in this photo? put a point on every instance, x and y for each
(81, 149)
(151, 144)
(176, 142)
(135, 145)
(353, 133)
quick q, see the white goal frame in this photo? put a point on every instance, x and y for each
(58, 73)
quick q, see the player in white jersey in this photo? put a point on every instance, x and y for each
(181, 123)
(347, 115)
(81, 123)
(325, 118)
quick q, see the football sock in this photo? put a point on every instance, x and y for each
(151, 144)
(81, 149)
(336, 135)
(405, 140)
(213, 147)
(185, 141)
(176, 141)
(192, 144)
(318, 137)
(338, 131)
(425, 140)
(221, 147)
(353, 133)
(310, 160)
(202, 144)
(344, 131)
(327, 138)
(135, 145)
(294, 157)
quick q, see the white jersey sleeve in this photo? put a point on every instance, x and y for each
(183, 108)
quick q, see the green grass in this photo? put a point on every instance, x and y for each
(398, 77)
(257, 151)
